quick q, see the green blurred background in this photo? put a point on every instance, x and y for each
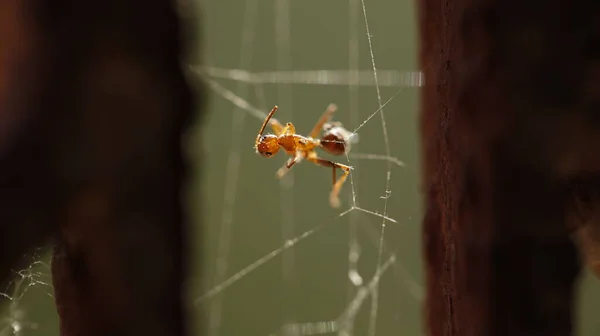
(247, 215)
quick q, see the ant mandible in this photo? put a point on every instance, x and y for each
(334, 140)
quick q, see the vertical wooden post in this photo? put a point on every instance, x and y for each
(510, 118)
(94, 159)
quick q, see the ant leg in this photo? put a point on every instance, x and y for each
(276, 126)
(333, 197)
(337, 185)
(289, 129)
(291, 161)
(324, 118)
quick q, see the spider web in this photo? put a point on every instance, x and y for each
(279, 290)
(29, 288)
(280, 262)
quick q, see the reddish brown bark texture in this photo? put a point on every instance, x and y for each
(93, 103)
(510, 129)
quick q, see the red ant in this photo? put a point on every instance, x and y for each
(335, 140)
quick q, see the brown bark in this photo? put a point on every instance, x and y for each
(93, 105)
(510, 132)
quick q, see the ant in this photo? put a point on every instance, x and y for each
(334, 140)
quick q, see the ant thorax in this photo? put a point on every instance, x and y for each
(287, 142)
(292, 143)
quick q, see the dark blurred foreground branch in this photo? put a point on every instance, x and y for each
(511, 135)
(93, 104)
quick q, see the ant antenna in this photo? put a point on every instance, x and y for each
(264, 125)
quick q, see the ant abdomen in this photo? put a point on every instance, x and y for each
(335, 138)
(333, 143)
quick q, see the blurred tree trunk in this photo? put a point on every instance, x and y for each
(510, 133)
(93, 106)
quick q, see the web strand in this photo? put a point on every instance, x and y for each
(411, 285)
(344, 324)
(253, 266)
(236, 100)
(377, 111)
(308, 328)
(386, 78)
(233, 169)
(346, 320)
(354, 248)
(284, 61)
(374, 213)
(375, 300)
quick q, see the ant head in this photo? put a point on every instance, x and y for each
(267, 145)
